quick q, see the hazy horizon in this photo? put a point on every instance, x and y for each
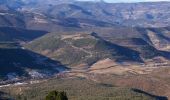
(129, 1)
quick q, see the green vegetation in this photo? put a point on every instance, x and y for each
(84, 42)
(72, 50)
(76, 89)
(48, 42)
(4, 96)
(55, 95)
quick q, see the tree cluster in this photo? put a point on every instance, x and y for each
(55, 95)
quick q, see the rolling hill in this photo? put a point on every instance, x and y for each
(18, 64)
(74, 49)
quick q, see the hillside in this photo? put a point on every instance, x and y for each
(143, 40)
(78, 49)
(18, 63)
(74, 90)
(13, 34)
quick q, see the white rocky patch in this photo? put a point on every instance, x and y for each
(5, 14)
(39, 74)
(5, 85)
(36, 74)
(15, 84)
(39, 20)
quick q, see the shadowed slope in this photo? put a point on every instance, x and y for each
(14, 34)
(81, 48)
(17, 62)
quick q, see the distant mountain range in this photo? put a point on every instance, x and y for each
(56, 14)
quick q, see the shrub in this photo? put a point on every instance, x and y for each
(55, 95)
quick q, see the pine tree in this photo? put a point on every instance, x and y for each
(55, 95)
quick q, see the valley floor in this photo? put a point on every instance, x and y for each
(90, 86)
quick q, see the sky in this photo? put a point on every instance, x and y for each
(134, 0)
(115, 1)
